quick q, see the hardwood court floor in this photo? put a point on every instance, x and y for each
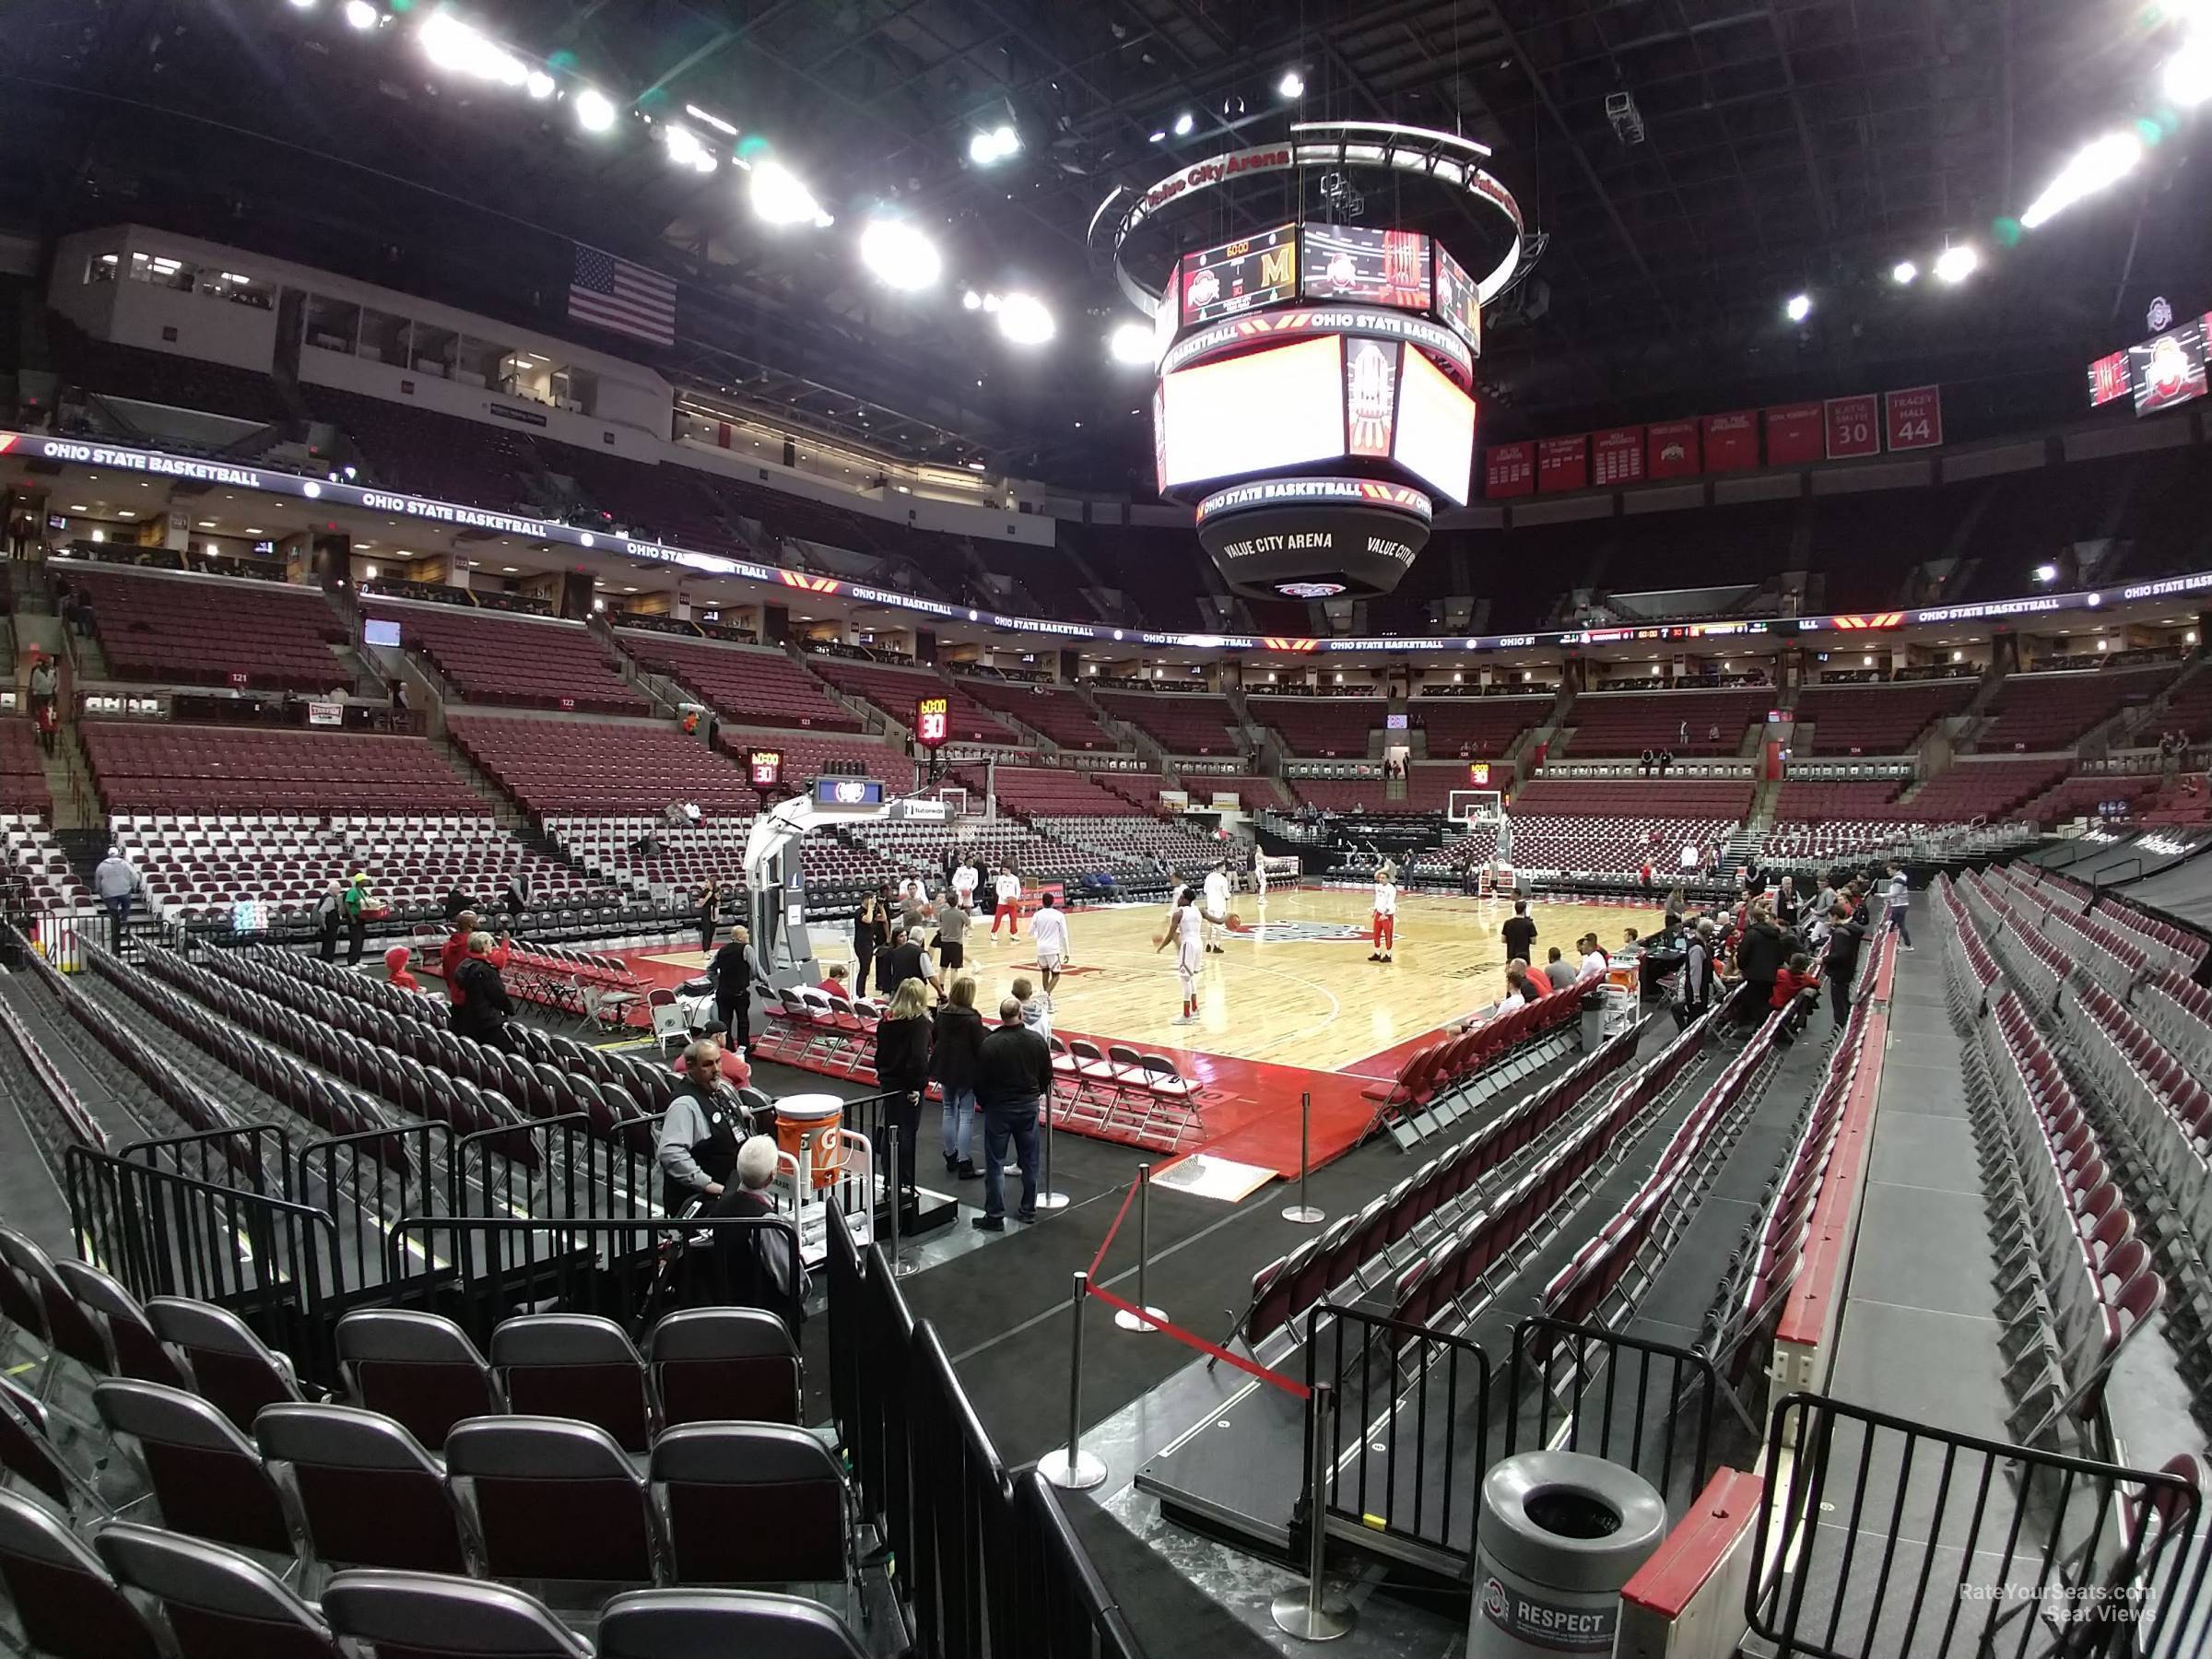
(1294, 988)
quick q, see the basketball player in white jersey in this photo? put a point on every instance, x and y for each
(1008, 889)
(1217, 907)
(1048, 932)
(1259, 875)
(1386, 913)
(963, 885)
(1186, 929)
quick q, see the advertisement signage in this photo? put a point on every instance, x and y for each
(1732, 442)
(1562, 464)
(1509, 469)
(1235, 277)
(1912, 419)
(1359, 262)
(1794, 434)
(1851, 425)
(1670, 450)
(1617, 457)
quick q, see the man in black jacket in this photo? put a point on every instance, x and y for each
(1842, 964)
(1013, 1080)
(760, 1266)
(484, 1011)
(732, 971)
(1760, 959)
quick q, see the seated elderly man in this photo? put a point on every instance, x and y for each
(760, 1269)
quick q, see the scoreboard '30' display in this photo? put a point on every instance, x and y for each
(933, 721)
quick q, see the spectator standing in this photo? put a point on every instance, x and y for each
(710, 914)
(697, 1144)
(48, 719)
(902, 1068)
(907, 960)
(1520, 933)
(45, 680)
(517, 898)
(483, 1009)
(330, 913)
(1697, 974)
(1840, 965)
(1900, 902)
(1760, 959)
(1036, 1007)
(117, 882)
(954, 1050)
(360, 902)
(1013, 1079)
(868, 938)
(457, 903)
(732, 971)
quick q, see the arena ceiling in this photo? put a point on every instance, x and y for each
(1784, 145)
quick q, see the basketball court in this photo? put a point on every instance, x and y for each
(1291, 1006)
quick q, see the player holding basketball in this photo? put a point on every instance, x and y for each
(1386, 913)
(1187, 929)
(1217, 907)
(1048, 932)
(963, 885)
(1008, 889)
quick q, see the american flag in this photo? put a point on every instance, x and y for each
(613, 293)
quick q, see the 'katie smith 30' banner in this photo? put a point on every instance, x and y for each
(1798, 434)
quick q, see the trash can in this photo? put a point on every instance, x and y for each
(1557, 1536)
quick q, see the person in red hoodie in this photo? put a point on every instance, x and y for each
(455, 951)
(1797, 989)
(395, 967)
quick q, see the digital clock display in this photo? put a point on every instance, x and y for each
(933, 721)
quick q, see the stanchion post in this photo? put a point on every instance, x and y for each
(1070, 1468)
(1304, 1214)
(900, 1269)
(1149, 1320)
(1311, 1613)
(1048, 1199)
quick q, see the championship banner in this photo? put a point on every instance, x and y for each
(1794, 434)
(1732, 442)
(1912, 419)
(1670, 449)
(1509, 469)
(1617, 457)
(1562, 464)
(1852, 426)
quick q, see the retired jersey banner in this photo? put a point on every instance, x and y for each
(1509, 469)
(1854, 426)
(1912, 419)
(1732, 442)
(1563, 463)
(1617, 457)
(1670, 449)
(1794, 434)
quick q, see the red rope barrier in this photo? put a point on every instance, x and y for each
(1288, 1384)
(1106, 1242)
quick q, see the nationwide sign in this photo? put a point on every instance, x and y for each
(332, 494)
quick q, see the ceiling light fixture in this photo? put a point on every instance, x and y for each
(779, 197)
(685, 151)
(1130, 343)
(1001, 143)
(1904, 273)
(2187, 78)
(362, 14)
(1799, 308)
(594, 110)
(1184, 124)
(1292, 84)
(1025, 321)
(716, 122)
(539, 84)
(899, 256)
(1955, 265)
(2098, 165)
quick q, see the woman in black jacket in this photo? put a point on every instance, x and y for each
(710, 914)
(952, 1059)
(868, 937)
(902, 1068)
(485, 1010)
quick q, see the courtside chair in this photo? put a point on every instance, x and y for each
(68, 1604)
(217, 1602)
(369, 1494)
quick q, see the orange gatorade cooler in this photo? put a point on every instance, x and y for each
(806, 1127)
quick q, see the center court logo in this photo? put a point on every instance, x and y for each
(1299, 933)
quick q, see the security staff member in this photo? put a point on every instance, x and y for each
(696, 1146)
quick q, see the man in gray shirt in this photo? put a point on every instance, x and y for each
(696, 1146)
(1559, 971)
(952, 935)
(116, 881)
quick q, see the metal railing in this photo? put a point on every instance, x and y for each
(1414, 1403)
(1880, 1536)
(992, 1566)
